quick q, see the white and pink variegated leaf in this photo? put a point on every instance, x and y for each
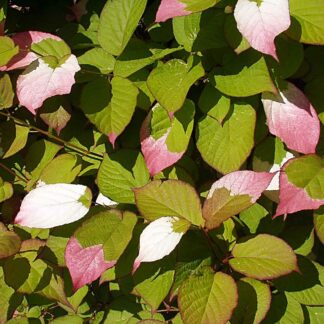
(260, 21)
(52, 205)
(169, 9)
(156, 153)
(85, 264)
(24, 41)
(243, 183)
(41, 81)
(292, 118)
(159, 239)
(293, 199)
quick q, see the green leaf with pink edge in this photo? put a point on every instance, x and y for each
(253, 303)
(208, 297)
(263, 257)
(319, 223)
(198, 5)
(172, 198)
(170, 82)
(109, 107)
(225, 146)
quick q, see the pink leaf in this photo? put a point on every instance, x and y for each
(292, 118)
(293, 199)
(85, 264)
(25, 40)
(40, 81)
(261, 23)
(169, 9)
(244, 183)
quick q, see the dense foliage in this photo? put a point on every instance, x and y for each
(161, 161)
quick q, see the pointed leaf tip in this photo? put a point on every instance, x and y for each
(53, 205)
(159, 239)
(85, 264)
(260, 23)
(169, 9)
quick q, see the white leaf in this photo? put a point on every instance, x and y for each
(158, 239)
(53, 205)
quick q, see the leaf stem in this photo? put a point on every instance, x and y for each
(49, 135)
(12, 172)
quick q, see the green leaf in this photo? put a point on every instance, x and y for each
(307, 287)
(40, 153)
(213, 103)
(198, 5)
(179, 128)
(169, 198)
(99, 59)
(312, 177)
(244, 76)
(284, 310)
(51, 47)
(119, 173)
(300, 238)
(263, 257)
(110, 108)
(71, 319)
(290, 54)
(137, 55)
(34, 276)
(226, 146)
(152, 281)
(233, 36)
(13, 138)
(6, 190)
(8, 49)
(110, 228)
(9, 244)
(69, 166)
(222, 205)
(316, 314)
(253, 303)
(319, 223)
(307, 25)
(171, 81)
(118, 21)
(9, 299)
(6, 92)
(191, 258)
(207, 298)
(200, 31)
